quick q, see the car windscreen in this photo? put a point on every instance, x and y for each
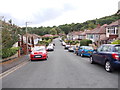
(117, 49)
(89, 48)
(39, 49)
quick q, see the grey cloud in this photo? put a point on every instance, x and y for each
(40, 16)
(51, 13)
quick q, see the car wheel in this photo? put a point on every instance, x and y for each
(91, 60)
(108, 66)
(76, 53)
(81, 55)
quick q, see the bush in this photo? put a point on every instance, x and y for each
(9, 52)
(45, 42)
(85, 42)
(116, 42)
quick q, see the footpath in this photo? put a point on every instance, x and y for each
(8, 64)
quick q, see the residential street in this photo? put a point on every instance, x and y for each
(63, 69)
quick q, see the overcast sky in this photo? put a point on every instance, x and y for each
(55, 12)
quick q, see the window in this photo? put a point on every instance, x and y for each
(104, 49)
(117, 48)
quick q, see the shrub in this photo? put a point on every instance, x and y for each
(85, 42)
(116, 42)
(9, 52)
(45, 42)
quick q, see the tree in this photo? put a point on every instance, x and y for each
(53, 31)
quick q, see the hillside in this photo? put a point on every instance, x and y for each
(66, 28)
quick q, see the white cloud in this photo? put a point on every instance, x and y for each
(56, 12)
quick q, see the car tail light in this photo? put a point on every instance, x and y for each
(83, 51)
(115, 56)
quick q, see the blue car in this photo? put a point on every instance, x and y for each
(107, 55)
(85, 51)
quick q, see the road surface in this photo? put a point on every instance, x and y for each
(63, 69)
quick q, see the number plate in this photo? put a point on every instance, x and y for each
(89, 52)
(38, 56)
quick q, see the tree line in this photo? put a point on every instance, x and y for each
(66, 28)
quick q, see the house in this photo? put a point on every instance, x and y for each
(96, 34)
(113, 30)
(75, 35)
(35, 38)
(82, 35)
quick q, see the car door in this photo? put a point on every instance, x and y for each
(96, 54)
(103, 53)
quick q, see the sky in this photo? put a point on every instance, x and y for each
(55, 12)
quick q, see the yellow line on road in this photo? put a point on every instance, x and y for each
(4, 74)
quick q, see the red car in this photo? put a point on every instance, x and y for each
(38, 52)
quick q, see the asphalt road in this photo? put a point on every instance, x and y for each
(62, 70)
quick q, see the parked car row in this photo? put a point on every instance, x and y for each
(107, 55)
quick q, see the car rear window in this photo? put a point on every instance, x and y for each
(117, 48)
(89, 48)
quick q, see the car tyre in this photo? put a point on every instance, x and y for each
(108, 66)
(81, 55)
(91, 60)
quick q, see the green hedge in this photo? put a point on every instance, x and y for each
(45, 42)
(85, 42)
(116, 42)
(9, 52)
(71, 42)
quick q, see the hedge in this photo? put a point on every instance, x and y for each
(9, 52)
(116, 42)
(85, 42)
(45, 42)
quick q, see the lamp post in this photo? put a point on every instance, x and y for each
(26, 38)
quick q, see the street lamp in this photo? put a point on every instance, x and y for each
(26, 38)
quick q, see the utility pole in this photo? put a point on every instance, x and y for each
(26, 37)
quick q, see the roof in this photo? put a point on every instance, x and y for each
(75, 33)
(84, 33)
(35, 36)
(116, 23)
(48, 35)
(98, 30)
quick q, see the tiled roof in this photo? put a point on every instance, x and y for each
(75, 33)
(35, 36)
(116, 23)
(48, 35)
(98, 30)
(84, 33)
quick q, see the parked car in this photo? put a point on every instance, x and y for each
(63, 43)
(85, 51)
(50, 47)
(38, 52)
(66, 46)
(71, 48)
(107, 55)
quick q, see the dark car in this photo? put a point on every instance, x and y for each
(107, 55)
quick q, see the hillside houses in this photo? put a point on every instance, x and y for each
(99, 35)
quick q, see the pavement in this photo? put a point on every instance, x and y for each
(8, 64)
(63, 69)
